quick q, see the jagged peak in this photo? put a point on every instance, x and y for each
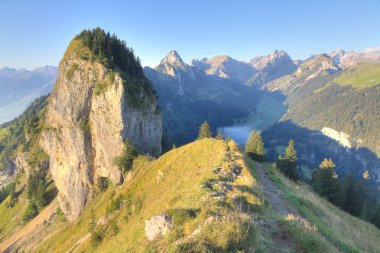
(173, 58)
(261, 62)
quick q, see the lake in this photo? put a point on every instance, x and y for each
(269, 110)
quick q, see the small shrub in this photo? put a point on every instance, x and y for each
(97, 237)
(30, 212)
(138, 204)
(70, 72)
(60, 215)
(115, 204)
(114, 229)
(181, 216)
(125, 161)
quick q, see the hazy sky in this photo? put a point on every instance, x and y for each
(36, 32)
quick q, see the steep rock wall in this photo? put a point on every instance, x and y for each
(85, 130)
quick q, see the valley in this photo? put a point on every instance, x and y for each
(268, 111)
(215, 155)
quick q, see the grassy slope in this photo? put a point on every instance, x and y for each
(360, 76)
(180, 183)
(342, 230)
(11, 218)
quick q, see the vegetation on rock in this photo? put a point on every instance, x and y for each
(125, 161)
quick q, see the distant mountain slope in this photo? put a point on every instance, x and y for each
(271, 67)
(318, 67)
(347, 59)
(226, 67)
(334, 113)
(20, 87)
(188, 96)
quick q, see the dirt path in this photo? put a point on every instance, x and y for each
(272, 194)
(30, 228)
(269, 227)
(79, 242)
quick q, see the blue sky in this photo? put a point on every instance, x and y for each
(36, 32)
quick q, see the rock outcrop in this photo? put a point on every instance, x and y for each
(158, 226)
(87, 121)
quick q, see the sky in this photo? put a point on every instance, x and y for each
(35, 33)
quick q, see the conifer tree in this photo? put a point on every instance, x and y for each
(219, 136)
(287, 163)
(125, 161)
(325, 181)
(352, 195)
(290, 152)
(255, 146)
(204, 131)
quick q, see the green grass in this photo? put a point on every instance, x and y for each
(181, 183)
(304, 239)
(344, 231)
(11, 218)
(361, 76)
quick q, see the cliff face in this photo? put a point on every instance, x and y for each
(85, 129)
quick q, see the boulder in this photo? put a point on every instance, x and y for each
(158, 226)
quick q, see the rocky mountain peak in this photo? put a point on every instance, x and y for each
(90, 114)
(174, 59)
(275, 58)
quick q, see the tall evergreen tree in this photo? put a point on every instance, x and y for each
(287, 163)
(325, 181)
(204, 131)
(255, 147)
(352, 195)
(219, 136)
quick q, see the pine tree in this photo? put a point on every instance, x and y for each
(287, 163)
(204, 131)
(290, 152)
(255, 146)
(219, 136)
(352, 195)
(325, 181)
(125, 161)
(367, 198)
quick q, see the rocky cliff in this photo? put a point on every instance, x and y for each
(89, 116)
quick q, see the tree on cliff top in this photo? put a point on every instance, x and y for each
(112, 51)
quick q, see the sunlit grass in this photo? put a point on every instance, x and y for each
(346, 232)
(181, 183)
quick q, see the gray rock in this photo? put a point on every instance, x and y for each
(85, 131)
(158, 226)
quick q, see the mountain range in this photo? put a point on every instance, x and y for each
(19, 87)
(258, 94)
(119, 158)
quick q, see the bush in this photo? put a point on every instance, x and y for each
(30, 212)
(70, 72)
(125, 161)
(97, 237)
(115, 204)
